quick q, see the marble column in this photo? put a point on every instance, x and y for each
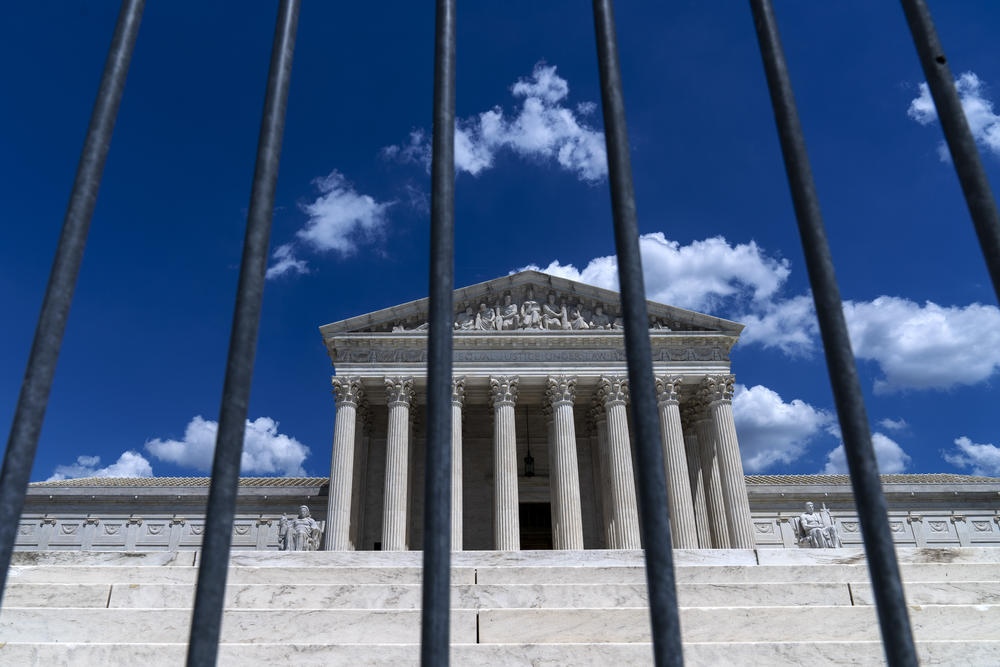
(715, 504)
(457, 402)
(506, 521)
(718, 390)
(362, 442)
(567, 517)
(613, 394)
(682, 528)
(599, 418)
(696, 477)
(349, 393)
(399, 395)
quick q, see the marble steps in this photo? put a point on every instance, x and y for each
(408, 596)
(497, 626)
(478, 596)
(773, 654)
(525, 574)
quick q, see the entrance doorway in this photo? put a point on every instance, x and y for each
(536, 526)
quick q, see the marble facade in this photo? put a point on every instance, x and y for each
(539, 374)
(539, 368)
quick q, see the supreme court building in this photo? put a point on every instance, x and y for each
(542, 445)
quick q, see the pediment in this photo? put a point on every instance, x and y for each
(529, 301)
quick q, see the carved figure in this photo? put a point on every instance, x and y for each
(486, 318)
(401, 328)
(600, 320)
(554, 317)
(299, 534)
(531, 312)
(508, 314)
(576, 319)
(817, 529)
(466, 321)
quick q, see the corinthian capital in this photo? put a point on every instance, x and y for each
(718, 388)
(668, 388)
(612, 389)
(458, 391)
(560, 389)
(503, 389)
(398, 390)
(347, 390)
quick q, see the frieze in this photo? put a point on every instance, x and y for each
(519, 310)
(419, 355)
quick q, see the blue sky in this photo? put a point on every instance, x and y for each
(140, 375)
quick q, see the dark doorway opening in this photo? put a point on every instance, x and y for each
(536, 526)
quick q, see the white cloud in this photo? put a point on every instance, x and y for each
(928, 346)
(338, 219)
(890, 456)
(264, 449)
(914, 346)
(983, 459)
(786, 324)
(129, 464)
(893, 424)
(542, 129)
(771, 430)
(340, 215)
(285, 261)
(704, 275)
(983, 122)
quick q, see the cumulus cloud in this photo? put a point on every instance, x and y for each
(890, 456)
(925, 346)
(542, 129)
(983, 122)
(788, 325)
(265, 451)
(772, 431)
(129, 464)
(893, 424)
(982, 459)
(338, 219)
(914, 346)
(285, 261)
(703, 275)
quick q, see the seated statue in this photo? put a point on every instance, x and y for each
(817, 529)
(486, 318)
(600, 320)
(300, 534)
(554, 317)
(576, 319)
(531, 312)
(466, 321)
(509, 317)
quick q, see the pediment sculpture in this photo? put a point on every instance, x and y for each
(554, 314)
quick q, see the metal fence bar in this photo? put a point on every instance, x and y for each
(34, 397)
(897, 638)
(660, 581)
(975, 186)
(214, 564)
(435, 613)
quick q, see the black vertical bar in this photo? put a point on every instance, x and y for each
(655, 516)
(210, 593)
(34, 397)
(961, 143)
(897, 638)
(434, 628)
